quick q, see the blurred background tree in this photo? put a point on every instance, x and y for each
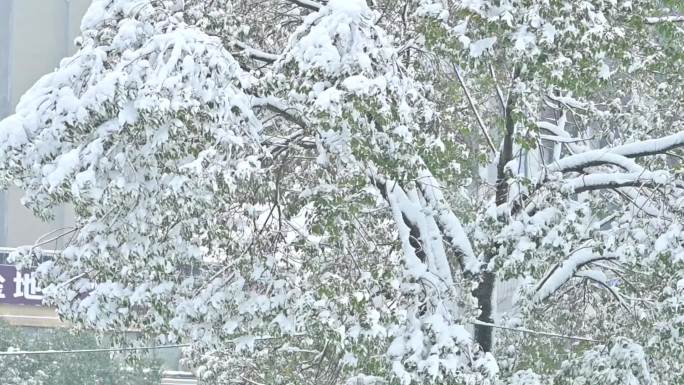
(100, 368)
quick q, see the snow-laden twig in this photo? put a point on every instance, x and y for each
(564, 271)
(650, 146)
(664, 19)
(279, 107)
(583, 160)
(601, 181)
(419, 233)
(448, 223)
(618, 155)
(559, 132)
(308, 4)
(256, 53)
(560, 139)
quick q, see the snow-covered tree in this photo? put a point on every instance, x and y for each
(332, 192)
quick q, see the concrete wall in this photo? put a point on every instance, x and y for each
(30, 316)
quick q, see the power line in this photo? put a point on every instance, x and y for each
(529, 331)
(158, 347)
(29, 317)
(78, 351)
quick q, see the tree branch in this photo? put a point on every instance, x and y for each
(308, 4)
(499, 94)
(564, 271)
(506, 154)
(580, 161)
(448, 223)
(475, 111)
(651, 146)
(615, 180)
(255, 53)
(605, 286)
(664, 19)
(276, 106)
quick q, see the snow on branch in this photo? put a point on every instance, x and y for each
(561, 139)
(618, 155)
(651, 146)
(419, 234)
(308, 4)
(568, 100)
(448, 223)
(580, 161)
(600, 181)
(255, 53)
(278, 107)
(564, 271)
(664, 19)
(561, 135)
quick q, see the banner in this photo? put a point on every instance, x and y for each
(19, 287)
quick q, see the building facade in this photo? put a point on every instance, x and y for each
(34, 36)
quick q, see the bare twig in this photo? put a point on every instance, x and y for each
(498, 90)
(475, 111)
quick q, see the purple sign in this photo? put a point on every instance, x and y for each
(18, 287)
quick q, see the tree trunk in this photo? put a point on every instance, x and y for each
(484, 293)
